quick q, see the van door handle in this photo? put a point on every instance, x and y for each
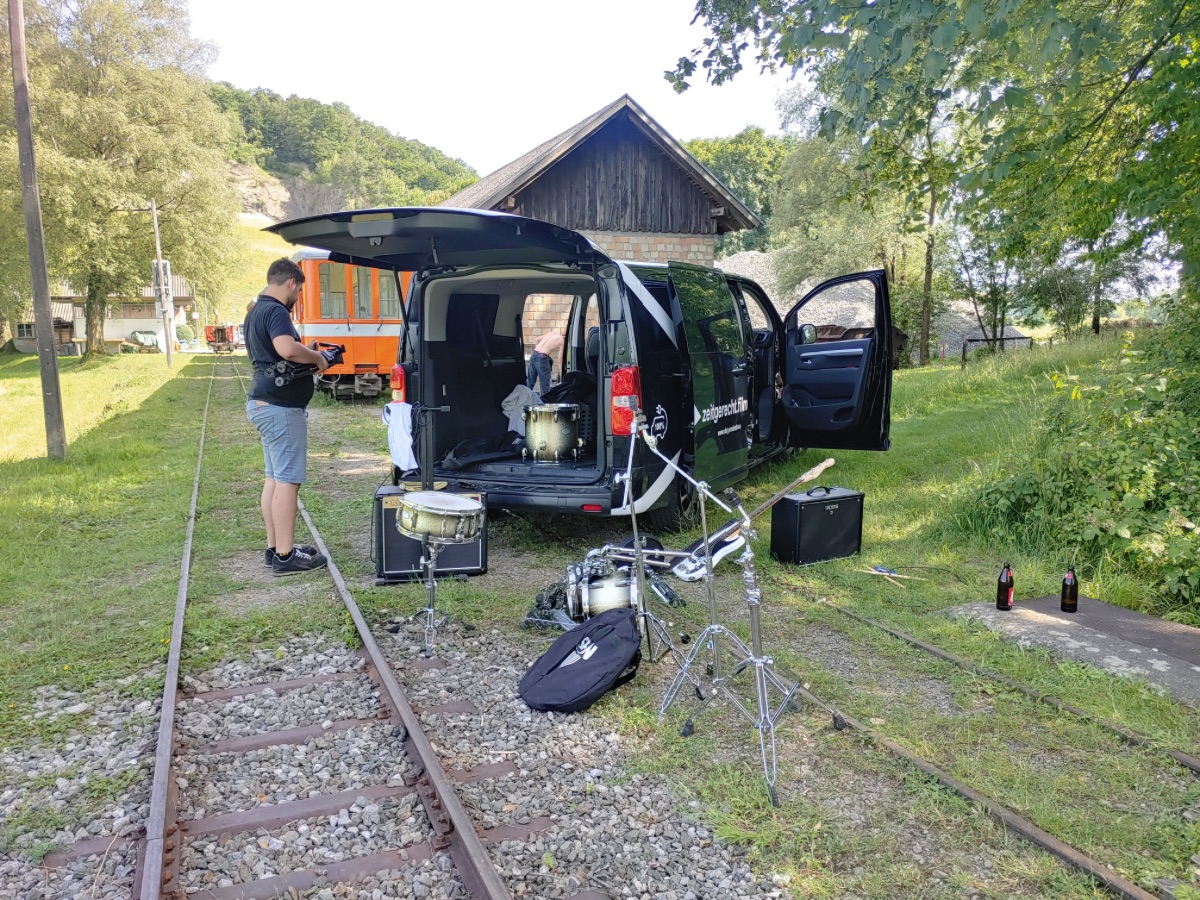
(739, 370)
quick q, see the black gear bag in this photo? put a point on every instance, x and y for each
(584, 664)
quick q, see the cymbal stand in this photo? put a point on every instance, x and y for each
(428, 616)
(765, 716)
(658, 637)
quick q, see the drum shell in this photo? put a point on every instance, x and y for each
(609, 592)
(416, 519)
(552, 431)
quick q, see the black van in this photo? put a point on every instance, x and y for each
(724, 381)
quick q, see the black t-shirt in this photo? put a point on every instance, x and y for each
(267, 320)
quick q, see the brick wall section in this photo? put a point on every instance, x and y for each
(647, 247)
(549, 312)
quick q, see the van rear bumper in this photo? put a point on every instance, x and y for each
(570, 501)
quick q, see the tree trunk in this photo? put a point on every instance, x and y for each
(1096, 307)
(927, 292)
(94, 308)
(6, 336)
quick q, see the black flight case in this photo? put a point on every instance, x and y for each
(398, 557)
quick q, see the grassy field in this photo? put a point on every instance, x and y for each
(88, 587)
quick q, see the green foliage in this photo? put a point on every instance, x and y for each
(329, 145)
(120, 117)
(1070, 115)
(1111, 479)
(749, 164)
(184, 332)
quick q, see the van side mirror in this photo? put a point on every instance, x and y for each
(808, 334)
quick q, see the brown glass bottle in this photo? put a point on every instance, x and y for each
(1070, 591)
(1004, 589)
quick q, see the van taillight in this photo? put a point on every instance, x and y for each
(399, 388)
(626, 398)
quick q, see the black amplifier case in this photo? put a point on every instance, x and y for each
(398, 557)
(819, 524)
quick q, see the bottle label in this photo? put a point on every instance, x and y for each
(1010, 597)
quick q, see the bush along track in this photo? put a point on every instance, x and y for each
(1111, 479)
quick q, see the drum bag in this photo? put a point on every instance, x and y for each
(584, 664)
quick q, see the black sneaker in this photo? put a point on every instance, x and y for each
(269, 553)
(298, 561)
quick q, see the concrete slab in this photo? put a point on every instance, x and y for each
(1112, 638)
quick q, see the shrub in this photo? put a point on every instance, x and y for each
(1112, 474)
(184, 332)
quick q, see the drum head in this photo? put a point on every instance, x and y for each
(439, 502)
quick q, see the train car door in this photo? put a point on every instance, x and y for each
(720, 373)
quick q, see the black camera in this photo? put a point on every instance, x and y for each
(287, 371)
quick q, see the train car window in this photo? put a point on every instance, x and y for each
(389, 299)
(360, 286)
(331, 282)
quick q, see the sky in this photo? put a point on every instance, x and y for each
(481, 80)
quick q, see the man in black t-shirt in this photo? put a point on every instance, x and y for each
(279, 414)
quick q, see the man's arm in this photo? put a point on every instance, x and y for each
(294, 351)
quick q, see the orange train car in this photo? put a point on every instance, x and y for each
(357, 307)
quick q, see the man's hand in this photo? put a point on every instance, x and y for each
(314, 345)
(322, 362)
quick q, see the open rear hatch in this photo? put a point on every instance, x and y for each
(414, 239)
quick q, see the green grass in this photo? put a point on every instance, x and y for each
(89, 585)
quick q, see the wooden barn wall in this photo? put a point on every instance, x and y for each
(618, 180)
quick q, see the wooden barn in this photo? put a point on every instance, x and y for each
(623, 181)
(619, 178)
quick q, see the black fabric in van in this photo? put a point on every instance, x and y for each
(575, 387)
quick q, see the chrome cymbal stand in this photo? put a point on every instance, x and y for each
(429, 616)
(716, 637)
(658, 637)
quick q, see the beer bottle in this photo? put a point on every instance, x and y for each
(1070, 591)
(1004, 589)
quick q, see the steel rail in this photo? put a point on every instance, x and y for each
(442, 803)
(1129, 737)
(156, 824)
(1115, 883)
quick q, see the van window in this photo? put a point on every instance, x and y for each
(331, 282)
(841, 313)
(711, 323)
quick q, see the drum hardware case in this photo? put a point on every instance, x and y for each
(398, 557)
(817, 525)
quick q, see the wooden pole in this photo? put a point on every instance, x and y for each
(43, 318)
(168, 314)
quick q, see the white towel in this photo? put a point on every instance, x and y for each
(399, 423)
(514, 407)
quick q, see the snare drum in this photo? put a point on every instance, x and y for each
(552, 431)
(445, 518)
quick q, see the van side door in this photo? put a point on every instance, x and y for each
(838, 376)
(720, 373)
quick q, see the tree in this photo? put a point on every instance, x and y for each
(121, 115)
(749, 164)
(981, 272)
(1078, 112)
(1060, 290)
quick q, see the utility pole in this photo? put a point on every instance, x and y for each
(43, 318)
(163, 292)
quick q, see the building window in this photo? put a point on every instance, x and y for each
(25, 331)
(138, 311)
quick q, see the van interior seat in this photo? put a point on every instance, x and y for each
(591, 351)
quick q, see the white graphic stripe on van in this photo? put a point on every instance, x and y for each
(652, 306)
(644, 502)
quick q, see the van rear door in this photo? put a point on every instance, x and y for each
(720, 373)
(838, 375)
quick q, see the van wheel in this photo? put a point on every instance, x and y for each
(680, 512)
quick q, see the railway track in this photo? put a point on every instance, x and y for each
(419, 790)
(423, 819)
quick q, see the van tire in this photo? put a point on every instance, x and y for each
(680, 511)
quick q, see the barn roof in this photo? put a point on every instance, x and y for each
(491, 191)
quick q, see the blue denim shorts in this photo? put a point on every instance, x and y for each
(284, 433)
